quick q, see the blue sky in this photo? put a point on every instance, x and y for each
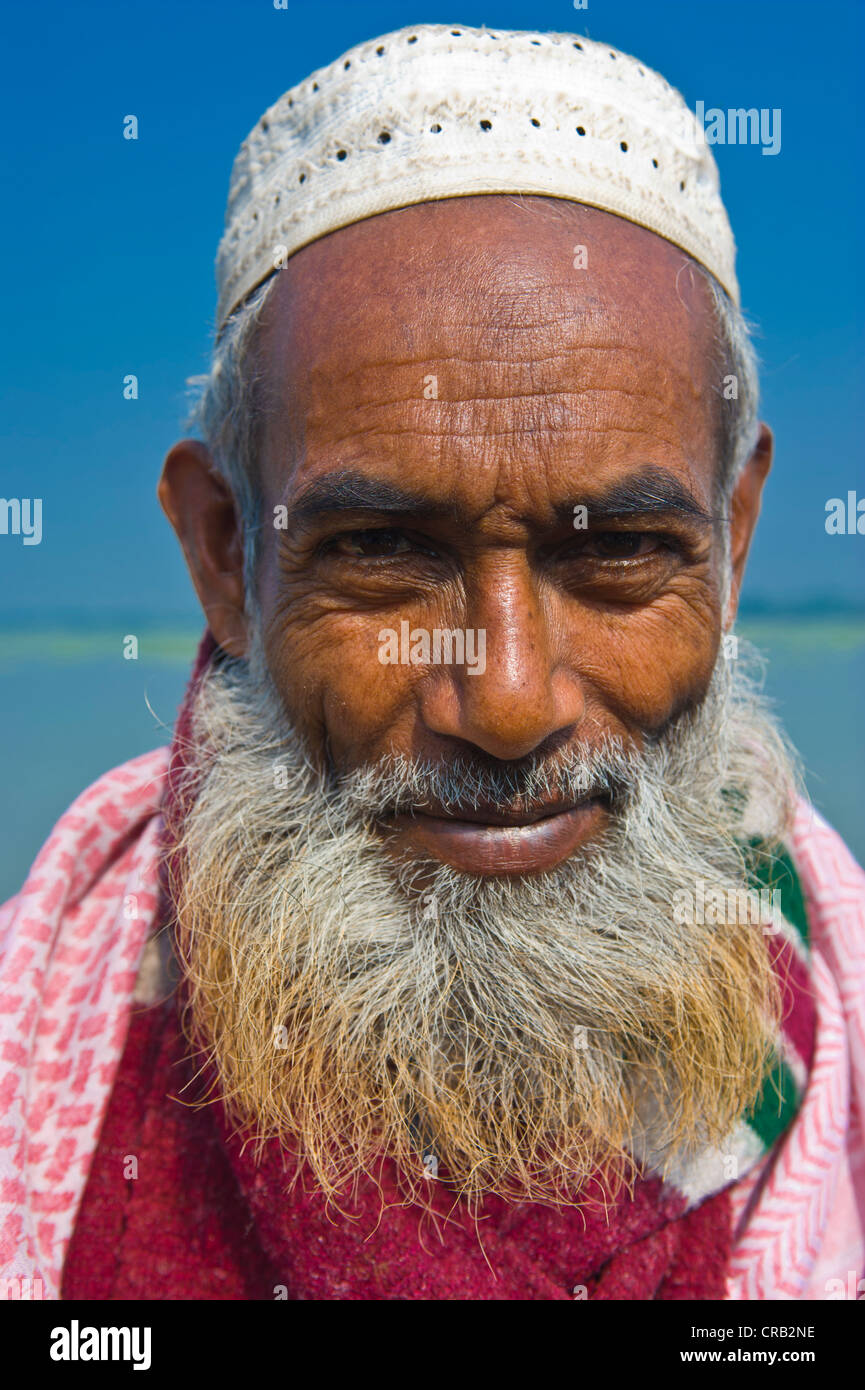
(107, 251)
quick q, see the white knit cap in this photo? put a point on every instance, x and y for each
(439, 111)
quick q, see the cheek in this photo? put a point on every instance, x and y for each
(327, 670)
(650, 665)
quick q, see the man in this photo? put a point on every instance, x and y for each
(480, 965)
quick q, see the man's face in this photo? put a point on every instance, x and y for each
(445, 388)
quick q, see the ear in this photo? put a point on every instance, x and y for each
(744, 511)
(201, 508)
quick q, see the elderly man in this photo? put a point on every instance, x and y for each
(494, 954)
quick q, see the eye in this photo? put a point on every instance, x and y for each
(622, 545)
(374, 544)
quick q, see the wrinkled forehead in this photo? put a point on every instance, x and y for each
(470, 319)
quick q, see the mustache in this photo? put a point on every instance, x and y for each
(399, 785)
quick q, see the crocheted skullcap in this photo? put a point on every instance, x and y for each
(439, 111)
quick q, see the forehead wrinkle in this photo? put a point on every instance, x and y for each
(570, 372)
(501, 336)
(533, 414)
(340, 371)
(495, 381)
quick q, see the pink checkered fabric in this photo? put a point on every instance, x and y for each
(70, 946)
(802, 1215)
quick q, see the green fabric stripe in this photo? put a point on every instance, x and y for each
(771, 869)
(778, 1103)
(774, 870)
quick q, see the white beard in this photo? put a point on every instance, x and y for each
(516, 1026)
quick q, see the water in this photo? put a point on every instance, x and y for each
(72, 707)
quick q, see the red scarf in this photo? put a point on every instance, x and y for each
(202, 1221)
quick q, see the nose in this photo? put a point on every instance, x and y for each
(522, 695)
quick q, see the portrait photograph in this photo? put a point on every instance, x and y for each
(432, 640)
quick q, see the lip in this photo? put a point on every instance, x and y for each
(481, 841)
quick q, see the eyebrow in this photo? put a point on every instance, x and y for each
(353, 491)
(651, 491)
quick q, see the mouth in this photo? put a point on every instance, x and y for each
(489, 841)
